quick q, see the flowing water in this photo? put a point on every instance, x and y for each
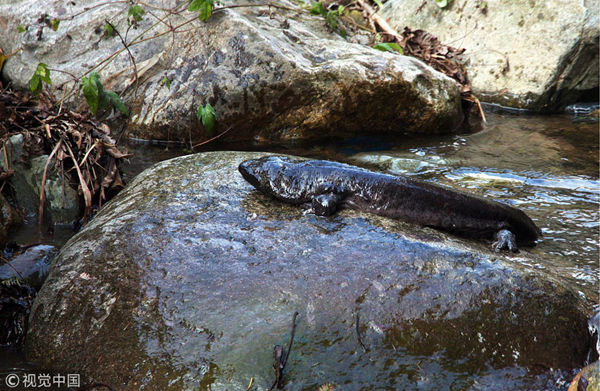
(546, 166)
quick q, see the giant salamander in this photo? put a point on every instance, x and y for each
(328, 186)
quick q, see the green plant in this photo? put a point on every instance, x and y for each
(109, 30)
(41, 75)
(442, 3)
(389, 47)
(166, 82)
(97, 97)
(331, 16)
(207, 115)
(54, 23)
(135, 15)
(204, 8)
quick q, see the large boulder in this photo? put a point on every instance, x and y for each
(537, 55)
(269, 72)
(189, 277)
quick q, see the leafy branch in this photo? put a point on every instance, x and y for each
(204, 8)
(208, 116)
(97, 97)
(40, 76)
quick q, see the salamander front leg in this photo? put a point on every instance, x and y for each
(505, 240)
(325, 204)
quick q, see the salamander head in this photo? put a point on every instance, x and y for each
(266, 173)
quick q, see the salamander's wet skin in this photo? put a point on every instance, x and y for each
(328, 186)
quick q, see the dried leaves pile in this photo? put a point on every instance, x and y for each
(80, 148)
(443, 58)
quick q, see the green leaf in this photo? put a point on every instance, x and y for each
(208, 116)
(41, 74)
(103, 99)
(442, 3)
(318, 8)
(166, 82)
(115, 99)
(136, 12)
(389, 47)
(98, 98)
(90, 91)
(35, 85)
(21, 29)
(195, 5)
(54, 23)
(205, 8)
(379, 3)
(109, 30)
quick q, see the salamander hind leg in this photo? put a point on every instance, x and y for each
(505, 240)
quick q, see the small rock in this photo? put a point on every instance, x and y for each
(32, 266)
(61, 205)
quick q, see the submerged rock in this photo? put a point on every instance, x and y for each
(189, 277)
(270, 73)
(584, 108)
(522, 54)
(32, 266)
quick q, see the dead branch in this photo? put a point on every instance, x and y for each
(280, 357)
(212, 139)
(360, 341)
(87, 195)
(43, 187)
(379, 21)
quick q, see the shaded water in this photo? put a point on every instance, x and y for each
(547, 166)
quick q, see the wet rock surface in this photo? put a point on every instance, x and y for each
(528, 55)
(189, 277)
(31, 266)
(270, 73)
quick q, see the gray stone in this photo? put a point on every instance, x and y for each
(32, 266)
(537, 55)
(9, 218)
(189, 277)
(269, 75)
(61, 205)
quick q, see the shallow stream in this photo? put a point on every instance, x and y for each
(546, 166)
